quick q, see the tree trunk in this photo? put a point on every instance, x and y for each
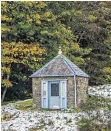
(5, 90)
(4, 93)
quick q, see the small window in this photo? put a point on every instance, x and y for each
(55, 89)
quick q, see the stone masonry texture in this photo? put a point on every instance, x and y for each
(82, 84)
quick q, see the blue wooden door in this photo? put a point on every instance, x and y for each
(54, 95)
(63, 94)
(44, 94)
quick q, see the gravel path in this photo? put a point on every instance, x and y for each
(38, 120)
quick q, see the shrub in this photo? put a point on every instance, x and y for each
(95, 103)
(85, 124)
(95, 123)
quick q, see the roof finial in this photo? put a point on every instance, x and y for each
(60, 51)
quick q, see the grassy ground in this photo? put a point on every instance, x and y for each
(21, 105)
(24, 105)
(7, 102)
(85, 124)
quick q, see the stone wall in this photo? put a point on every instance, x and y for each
(36, 89)
(70, 93)
(81, 90)
(82, 87)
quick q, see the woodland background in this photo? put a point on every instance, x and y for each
(33, 31)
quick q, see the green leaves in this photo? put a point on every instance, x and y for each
(82, 29)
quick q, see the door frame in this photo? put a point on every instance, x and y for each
(47, 97)
(49, 92)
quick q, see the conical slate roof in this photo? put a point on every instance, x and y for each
(59, 66)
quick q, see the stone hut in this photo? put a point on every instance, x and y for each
(59, 84)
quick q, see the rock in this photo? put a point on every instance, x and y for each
(69, 120)
(43, 120)
(57, 118)
(7, 116)
(102, 90)
(15, 115)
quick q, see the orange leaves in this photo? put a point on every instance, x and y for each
(7, 83)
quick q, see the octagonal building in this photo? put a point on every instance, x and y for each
(59, 84)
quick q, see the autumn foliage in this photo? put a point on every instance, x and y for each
(18, 53)
(32, 32)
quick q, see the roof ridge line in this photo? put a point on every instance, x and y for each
(68, 64)
(75, 65)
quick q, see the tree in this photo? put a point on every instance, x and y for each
(34, 22)
(90, 21)
(82, 29)
(18, 53)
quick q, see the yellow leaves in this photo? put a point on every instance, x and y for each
(48, 16)
(40, 4)
(6, 83)
(36, 17)
(79, 60)
(3, 6)
(78, 12)
(75, 47)
(65, 13)
(20, 52)
(107, 70)
(63, 29)
(5, 18)
(28, 20)
(5, 69)
(28, 3)
(34, 48)
(3, 3)
(92, 18)
(34, 59)
(57, 33)
(5, 29)
(38, 22)
(8, 60)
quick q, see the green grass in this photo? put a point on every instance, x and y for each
(51, 109)
(7, 102)
(24, 105)
(37, 129)
(20, 105)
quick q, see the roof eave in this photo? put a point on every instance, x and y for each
(32, 76)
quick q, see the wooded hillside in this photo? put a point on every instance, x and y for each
(33, 31)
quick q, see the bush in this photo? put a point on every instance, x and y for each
(95, 103)
(95, 123)
(85, 124)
